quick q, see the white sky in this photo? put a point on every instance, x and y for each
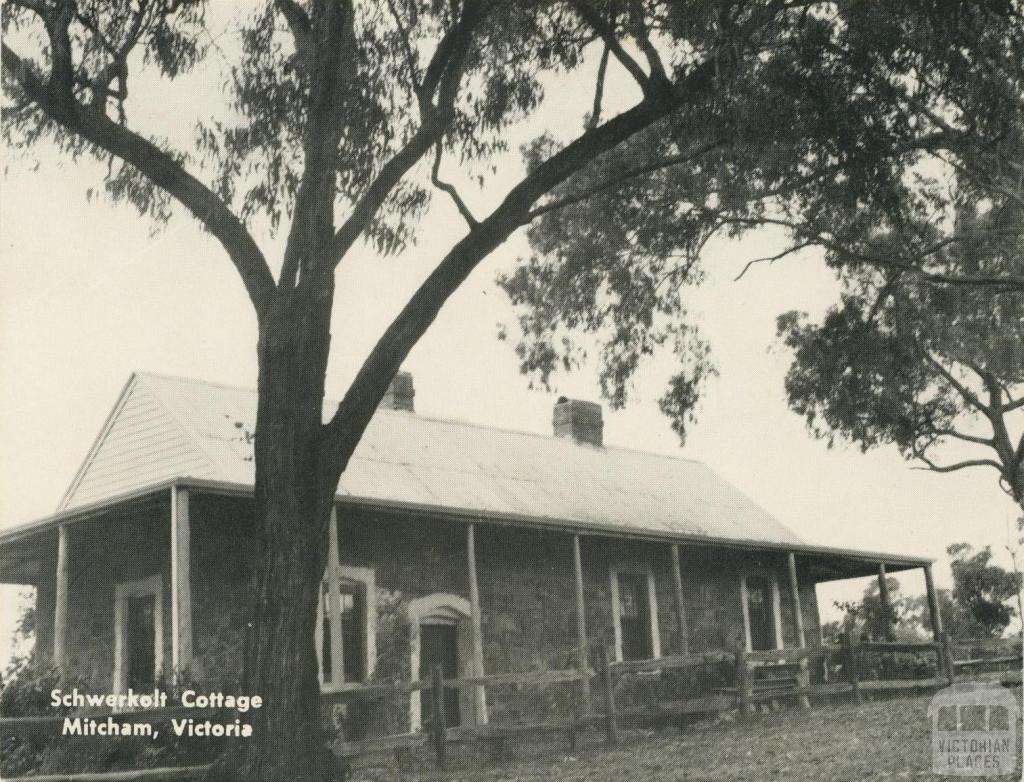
(87, 295)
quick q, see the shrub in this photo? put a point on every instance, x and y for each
(26, 693)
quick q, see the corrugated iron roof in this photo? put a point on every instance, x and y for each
(412, 460)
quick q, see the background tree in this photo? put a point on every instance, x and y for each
(892, 144)
(1013, 549)
(924, 350)
(338, 120)
(918, 366)
(980, 593)
(868, 618)
(975, 608)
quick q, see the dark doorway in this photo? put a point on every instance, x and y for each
(140, 638)
(439, 645)
(635, 617)
(759, 609)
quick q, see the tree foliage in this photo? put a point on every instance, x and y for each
(981, 590)
(924, 349)
(921, 367)
(869, 619)
(825, 119)
(849, 142)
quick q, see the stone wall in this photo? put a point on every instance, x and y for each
(102, 552)
(525, 578)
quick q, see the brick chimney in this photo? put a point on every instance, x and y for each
(579, 420)
(399, 394)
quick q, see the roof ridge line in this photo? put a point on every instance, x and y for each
(435, 418)
(496, 428)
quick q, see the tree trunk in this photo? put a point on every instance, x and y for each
(293, 496)
(1016, 479)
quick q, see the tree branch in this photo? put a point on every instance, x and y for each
(341, 434)
(624, 177)
(1009, 282)
(57, 102)
(435, 178)
(302, 30)
(333, 31)
(968, 438)
(932, 467)
(1000, 433)
(772, 258)
(607, 34)
(442, 76)
(602, 70)
(638, 28)
(1012, 405)
(971, 398)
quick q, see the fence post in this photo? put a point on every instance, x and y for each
(743, 684)
(850, 659)
(803, 681)
(575, 711)
(609, 695)
(946, 656)
(439, 727)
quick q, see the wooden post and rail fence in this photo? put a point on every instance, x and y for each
(748, 688)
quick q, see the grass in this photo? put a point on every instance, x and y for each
(888, 739)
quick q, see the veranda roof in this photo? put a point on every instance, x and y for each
(168, 429)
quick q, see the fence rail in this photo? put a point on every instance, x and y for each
(540, 678)
(744, 691)
(988, 643)
(673, 661)
(175, 774)
(895, 646)
(792, 655)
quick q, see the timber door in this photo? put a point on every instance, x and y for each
(439, 645)
(140, 639)
(759, 609)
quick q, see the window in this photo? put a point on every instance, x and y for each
(355, 615)
(635, 613)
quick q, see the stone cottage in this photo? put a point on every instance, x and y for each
(471, 547)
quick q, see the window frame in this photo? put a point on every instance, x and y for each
(363, 578)
(641, 569)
